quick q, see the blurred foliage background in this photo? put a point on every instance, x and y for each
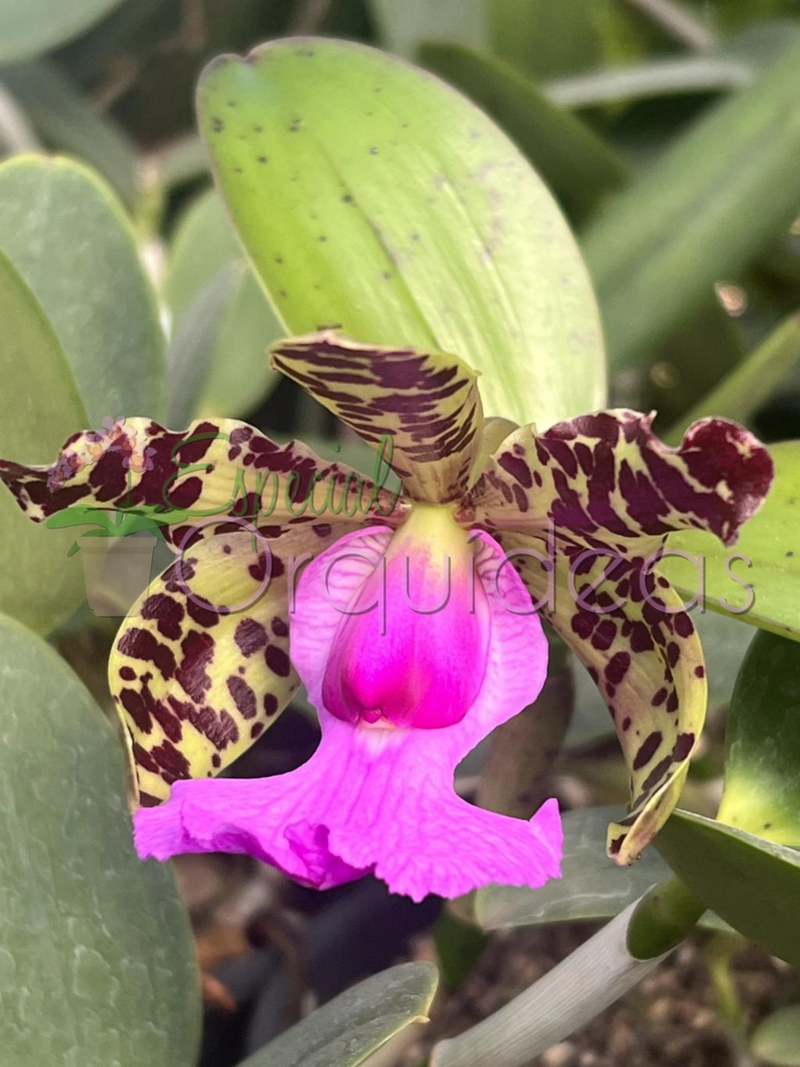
(670, 135)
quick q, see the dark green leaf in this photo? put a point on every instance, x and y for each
(751, 883)
(97, 962)
(30, 27)
(66, 234)
(348, 1029)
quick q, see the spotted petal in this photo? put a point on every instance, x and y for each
(214, 468)
(608, 479)
(201, 666)
(379, 799)
(586, 507)
(426, 402)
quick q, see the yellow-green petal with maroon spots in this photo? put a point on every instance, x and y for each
(214, 468)
(607, 478)
(201, 666)
(427, 402)
(645, 657)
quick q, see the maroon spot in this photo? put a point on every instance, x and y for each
(198, 651)
(256, 730)
(517, 468)
(221, 730)
(654, 777)
(173, 762)
(144, 759)
(616, 845)
(250, 636)
(673, 653)
(683, 746)
(684, 627)
(280, 627)
(672, 702)
(640, 639)
(166, 612)
(141, 644)
(147, 800)
(603, 637)
(243, 696)
(270, 704)
(187, 493)
(700, 672)
(215, 760)
(626, 723)
(659, 698)
(277, 661)
(647, 749)
(127, 673)
(583, 622)
(203, 616)
(617, 667)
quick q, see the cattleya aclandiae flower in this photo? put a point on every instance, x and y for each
(411, 631)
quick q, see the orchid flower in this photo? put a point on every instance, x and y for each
(414, 623)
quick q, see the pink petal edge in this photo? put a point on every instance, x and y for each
(376, 799)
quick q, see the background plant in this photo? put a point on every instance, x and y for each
(669, 134)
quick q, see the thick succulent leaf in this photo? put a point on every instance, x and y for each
(563, 1001)
(579, 166)
(426, 403)
(70, 121)
(658, 248)
(31, 27)
(762, 743)
(219, 311)
(214, 468)
(751, 883)
(40, 407)
(98, 961)
(599, 494)
(749, 385)
(757, 583)
(373, 198)
(66, 234)
(591, 887)
(201, 668)
(350, 1028)
(607, 478)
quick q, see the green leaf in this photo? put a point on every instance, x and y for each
(403, 26)
(97, 960)
(776, 1040)
(568, 997)
(546, 39)
(68, 237)
(389, 205)
(708, 206)
(759, 577)
(30, 27)
(762, 743)
(348, 1029)
(222, 322)
(658, 77)
(751, 383)
(592, 886)
(70, 122)
(41, 408)
(578, 165)
(751, 883)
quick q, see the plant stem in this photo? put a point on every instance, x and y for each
(678, 22)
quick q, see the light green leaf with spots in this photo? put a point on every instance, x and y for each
(372, 197)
